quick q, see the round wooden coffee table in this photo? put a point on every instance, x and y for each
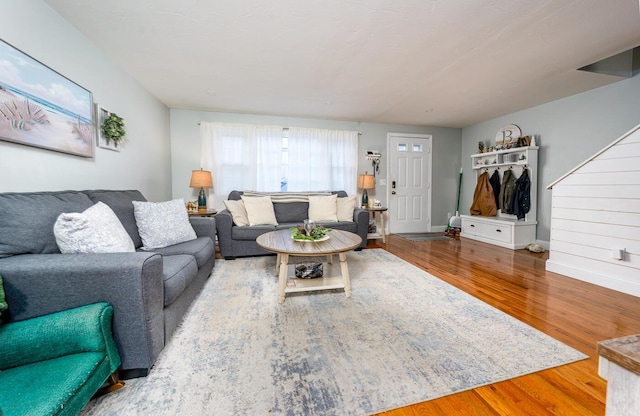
(281, 243)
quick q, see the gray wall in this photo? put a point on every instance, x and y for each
(185, 151)
(568, 131)
(144, 163)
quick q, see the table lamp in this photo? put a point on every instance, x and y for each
(365, 182)
(201, 179)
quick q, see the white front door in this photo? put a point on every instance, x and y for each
(409, 183)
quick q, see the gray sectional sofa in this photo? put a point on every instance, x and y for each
(150, 291)
(239, 241)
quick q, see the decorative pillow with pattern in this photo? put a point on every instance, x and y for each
(95, 230)
(162, 224)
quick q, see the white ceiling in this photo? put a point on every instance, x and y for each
(446, 63)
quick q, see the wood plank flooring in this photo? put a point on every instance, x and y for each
(516, 282)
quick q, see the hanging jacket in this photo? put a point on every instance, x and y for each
(506, 190)
(495, 184)
(484, 202)
(521, 198)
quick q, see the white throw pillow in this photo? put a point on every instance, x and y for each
(96, 230)
(259, 210)
(238, 213)
(345, 207)
(162, 224)
(323, 208)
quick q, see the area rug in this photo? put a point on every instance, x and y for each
(423, 236)
(403, 337)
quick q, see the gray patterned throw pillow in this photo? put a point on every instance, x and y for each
(162, 224)
(96, 230)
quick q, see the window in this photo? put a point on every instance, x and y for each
(273, 158)
(285, 161)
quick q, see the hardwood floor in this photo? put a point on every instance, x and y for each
(516, 282)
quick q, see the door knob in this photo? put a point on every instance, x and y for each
(393, 192)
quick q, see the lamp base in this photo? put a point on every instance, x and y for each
(365, 198)
(202, 201)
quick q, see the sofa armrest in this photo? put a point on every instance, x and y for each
(132, 283)
(224, 225)
(78, 330)
(204, 226)
(361, 218)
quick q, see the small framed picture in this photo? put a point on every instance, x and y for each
(103, 142)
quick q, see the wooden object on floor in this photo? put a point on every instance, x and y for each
(112, 384)
(516, 282)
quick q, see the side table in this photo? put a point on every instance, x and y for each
(381, 233)
(207, 213)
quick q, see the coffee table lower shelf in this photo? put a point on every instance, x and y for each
(331, 280)
(336, 276)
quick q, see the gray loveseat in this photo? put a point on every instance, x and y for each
(238, 241)
(149, 291)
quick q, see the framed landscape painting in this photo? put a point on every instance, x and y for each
(41, 108)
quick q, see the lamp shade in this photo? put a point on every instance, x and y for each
(366, 181)
(201, 179)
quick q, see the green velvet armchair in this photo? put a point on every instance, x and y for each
(54, 364)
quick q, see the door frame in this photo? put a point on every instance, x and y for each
(429, 139)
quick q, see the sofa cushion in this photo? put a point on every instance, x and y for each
(342, 225)
(120, 203)
(287, 212)
(162, 224)
(323, 208)
(238, 212)
(26, 220)
(95, 230)
(201, 248)
(177, 273)
(251, 232)
(259, 210)
(345, 207)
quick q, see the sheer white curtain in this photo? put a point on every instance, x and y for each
(321, 160)
(240, 157)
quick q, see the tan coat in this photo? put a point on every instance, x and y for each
(484, 201)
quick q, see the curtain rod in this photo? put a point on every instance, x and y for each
(287, 128)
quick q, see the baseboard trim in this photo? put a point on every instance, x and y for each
(545, 244)
(610, 282)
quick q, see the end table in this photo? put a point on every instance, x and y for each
(381, 233)
(207, 213)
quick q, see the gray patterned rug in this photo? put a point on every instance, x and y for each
(403, 337)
